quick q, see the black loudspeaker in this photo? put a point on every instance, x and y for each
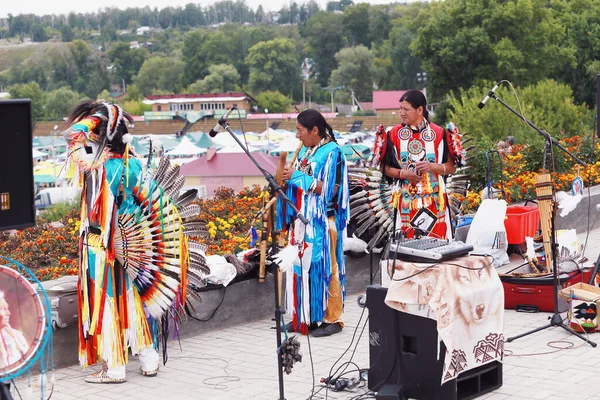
(17, 209)
(403, 352)
(383, 346)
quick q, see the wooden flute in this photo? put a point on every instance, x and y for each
(269, 210)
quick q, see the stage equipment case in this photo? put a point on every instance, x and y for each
(535, 294)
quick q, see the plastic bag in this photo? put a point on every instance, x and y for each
(221, 272)
(487, 233)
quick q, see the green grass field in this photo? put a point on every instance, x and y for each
(14, 54)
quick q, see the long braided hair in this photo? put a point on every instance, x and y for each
(311, 118)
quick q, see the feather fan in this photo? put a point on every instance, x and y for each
(150, 241)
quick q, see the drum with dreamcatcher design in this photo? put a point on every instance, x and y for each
(25, 331)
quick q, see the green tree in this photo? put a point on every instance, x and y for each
(227, 45)
(324, 37)
(379, 23)
(222, 78)
(548, 104)
(104, 95)
(38, 33)
(160, 73)
(259, 16)
(355, 71)
(133, 93)
(274, 101)
(127, 61)
(165, 17)
(91, 73)
(109, 32)
(354, 24)
(462, 42)
(81, 51)
(274, 66)
(396, 67)
(136, 107)
(20, 24)
(33, 92)
(194, 56)
(582, 19)
(66, 33)
(338, 5)
(60, 102)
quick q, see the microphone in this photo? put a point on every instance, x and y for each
(491, 92)
(213, 132)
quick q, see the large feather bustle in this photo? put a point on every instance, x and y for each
(187, 197)
(151, 241)
(371, 205)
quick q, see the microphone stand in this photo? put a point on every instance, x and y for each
(556, 319)
(275, 188)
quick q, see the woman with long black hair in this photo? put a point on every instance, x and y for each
(415, 156)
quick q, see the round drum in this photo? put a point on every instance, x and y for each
(22, 321)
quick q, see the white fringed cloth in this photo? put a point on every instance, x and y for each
(466, 298)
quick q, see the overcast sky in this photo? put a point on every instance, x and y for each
(41, 7)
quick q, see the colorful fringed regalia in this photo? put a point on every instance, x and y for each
(315, 285)
(377, 199)
(135, 256)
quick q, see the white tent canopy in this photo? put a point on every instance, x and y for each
(289, 144)
(224, 139)
(38, 154)
(186, 148)
(236, 149)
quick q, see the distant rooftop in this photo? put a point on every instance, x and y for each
(387, 99)
(229, 164)
(201, 97)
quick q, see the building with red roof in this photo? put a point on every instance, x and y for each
(209, 103)
(387, 101)
(232, 170)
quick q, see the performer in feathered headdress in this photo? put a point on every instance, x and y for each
(318, 183)
(135, 259)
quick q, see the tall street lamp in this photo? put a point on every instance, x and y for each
(268, 139)
(305, 75)
(422, 79)
(333, 90)
(53, 134)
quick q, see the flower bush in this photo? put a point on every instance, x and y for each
(49, 249)
(229, 218)
(518, 177)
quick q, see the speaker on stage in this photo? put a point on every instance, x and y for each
(17, 209)
(383, 344)
(403, 352)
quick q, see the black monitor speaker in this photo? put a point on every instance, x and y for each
(406, 360)
(17, 210)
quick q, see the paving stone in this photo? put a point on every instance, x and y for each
(239, 363)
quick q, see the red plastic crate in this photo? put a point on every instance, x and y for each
(521, 221)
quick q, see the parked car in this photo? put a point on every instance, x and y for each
(50, 196)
